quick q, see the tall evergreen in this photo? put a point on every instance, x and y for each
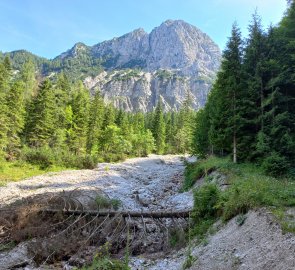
(96, 116)
(28, 77)
(41, 124)
(159, 129)
(80, 109)
(15, 118)
(5, 80)
(255, 80)
(224, 108)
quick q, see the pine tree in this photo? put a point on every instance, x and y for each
(159, 129)
(200, 140)
(233, 69)
(96, 116)
(28, 77)
(109, 116)
(80, 109)
(15, 118)
(254, 67)
(62, 94)
(5, 78)
(224, 101)
(41, 123)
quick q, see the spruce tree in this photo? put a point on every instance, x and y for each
(80, 109)
(41, 123)
(15, 118)
(96, 116)
(28, 77)
(159, 129)
(223, 105)
(5, 78)
(255, 81)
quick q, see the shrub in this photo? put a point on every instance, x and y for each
(106, 263)
(88, 162)
(103, 261)
(104, 202)
(275, 165)
(205, 208)
(43, 156)
(205, 202)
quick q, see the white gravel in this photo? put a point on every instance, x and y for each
(150, 183)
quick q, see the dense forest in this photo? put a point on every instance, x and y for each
(47, 122)
(250, 113)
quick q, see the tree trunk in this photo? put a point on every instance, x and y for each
(235, 149)
(163, 214)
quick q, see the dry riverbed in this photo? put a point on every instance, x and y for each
(152, 184)
(141, 184)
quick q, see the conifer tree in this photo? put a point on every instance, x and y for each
(159, 129)
(62, 94)
(5, 77)
(42, 121)
(254, 67)
(224, 102)
(200, 140)
(80, 109)
(109, 116)
(28, 77)
(15, 118)
(96, 116)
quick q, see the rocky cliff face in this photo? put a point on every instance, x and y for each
(133, 90)
(174, 61)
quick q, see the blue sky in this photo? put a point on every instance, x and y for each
(49, 27)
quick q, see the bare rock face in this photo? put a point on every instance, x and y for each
(176, 45)
(140, 91)
(174, 61)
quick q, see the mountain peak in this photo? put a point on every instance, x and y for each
(174, 22)
(175, 45)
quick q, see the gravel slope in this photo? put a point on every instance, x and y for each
(258, 244)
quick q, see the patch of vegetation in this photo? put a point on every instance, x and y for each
(106, 263)
(127, 75)
(8, 246)
(177, 238)
(46, 157)
(194, 171)
(164, 74)
(250, 188)
(205, 210)
(103, 261)
(240, 220)
(190, 259)
(19, 170)
(286, 219)
(103, 202)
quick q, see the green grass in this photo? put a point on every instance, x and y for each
(104, 202)
(106, 263)
(16, 171)
(202, 168)
(249, 188)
